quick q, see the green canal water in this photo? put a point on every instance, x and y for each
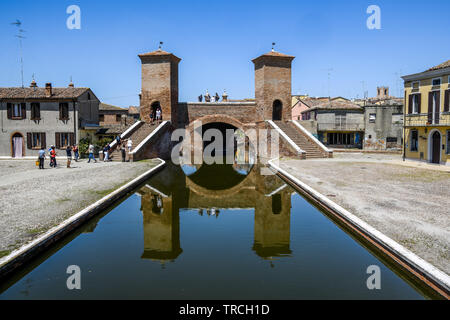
(214, 232)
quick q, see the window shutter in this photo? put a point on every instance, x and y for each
(430, 107)
(35, 111)
(71, 138)
(60, 112)
(447, 101)
(437, 111)
(410, 105)
(9, 110)
(29, 144)
(419, 108)
(58, 140)
(24, 110)
(43, 141)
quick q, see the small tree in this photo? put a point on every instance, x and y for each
(83, 146)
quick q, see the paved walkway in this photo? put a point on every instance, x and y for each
(33, 201)
(407, 201)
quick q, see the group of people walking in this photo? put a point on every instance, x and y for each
(122, 145)
(70, 150)
(72, 153)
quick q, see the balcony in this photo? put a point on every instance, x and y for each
(423, 120)
(340, 126)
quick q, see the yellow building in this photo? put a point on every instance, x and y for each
(427, 115)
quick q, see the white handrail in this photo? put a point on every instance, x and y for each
(112, 144)
(286, 137)
(321, 145)
(143, 142)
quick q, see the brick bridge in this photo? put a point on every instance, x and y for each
(271, 108)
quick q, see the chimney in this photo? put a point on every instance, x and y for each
(33, 84)
(48, 89)
(71, 85)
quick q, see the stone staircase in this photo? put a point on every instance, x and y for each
(312, 149)
(136, 137)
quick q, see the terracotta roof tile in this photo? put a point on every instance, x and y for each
(441, 66)
(40, 93)
(333, 105)
(108, 107)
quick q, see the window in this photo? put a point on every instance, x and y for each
(64, 139)
(35, 111)
(416, 103)
(391, 139)
(447, 100)
(63, 111)
(341, 139)
(340, 120)
(414, 140)
(448, 141)
(36, 140)
(415, 85)
(16, 111)
(101, 118)
(436, 82)
(118, 117)
(372, 117)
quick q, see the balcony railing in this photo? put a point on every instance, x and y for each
(425, 119)
(340, 126)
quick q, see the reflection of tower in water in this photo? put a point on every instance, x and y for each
(161, 227)
(272, 220)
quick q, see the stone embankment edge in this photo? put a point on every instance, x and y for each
(27, 252)
(438, 280)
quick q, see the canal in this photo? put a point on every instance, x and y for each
(214, 232)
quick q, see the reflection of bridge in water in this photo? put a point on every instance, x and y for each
(171, 190)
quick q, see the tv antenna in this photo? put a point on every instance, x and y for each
(20, 36)
(329, 71)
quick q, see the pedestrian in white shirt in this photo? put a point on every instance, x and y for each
(129, 145)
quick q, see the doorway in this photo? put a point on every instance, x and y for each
(17, 146)
(154, 107)
(436, 147)
(277, 111)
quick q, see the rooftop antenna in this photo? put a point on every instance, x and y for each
(160, 45)
(20, 36)
(273, 46)
(329, 71)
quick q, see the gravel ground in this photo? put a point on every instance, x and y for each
(408, 202)
(33, 201)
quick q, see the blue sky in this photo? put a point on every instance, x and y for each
(217, 40)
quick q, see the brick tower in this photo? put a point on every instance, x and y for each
(273, 86)
(159, 84)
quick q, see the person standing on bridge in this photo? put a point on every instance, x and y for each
(158, 115)
(129, 145)
(123, 152)
(217, 97)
